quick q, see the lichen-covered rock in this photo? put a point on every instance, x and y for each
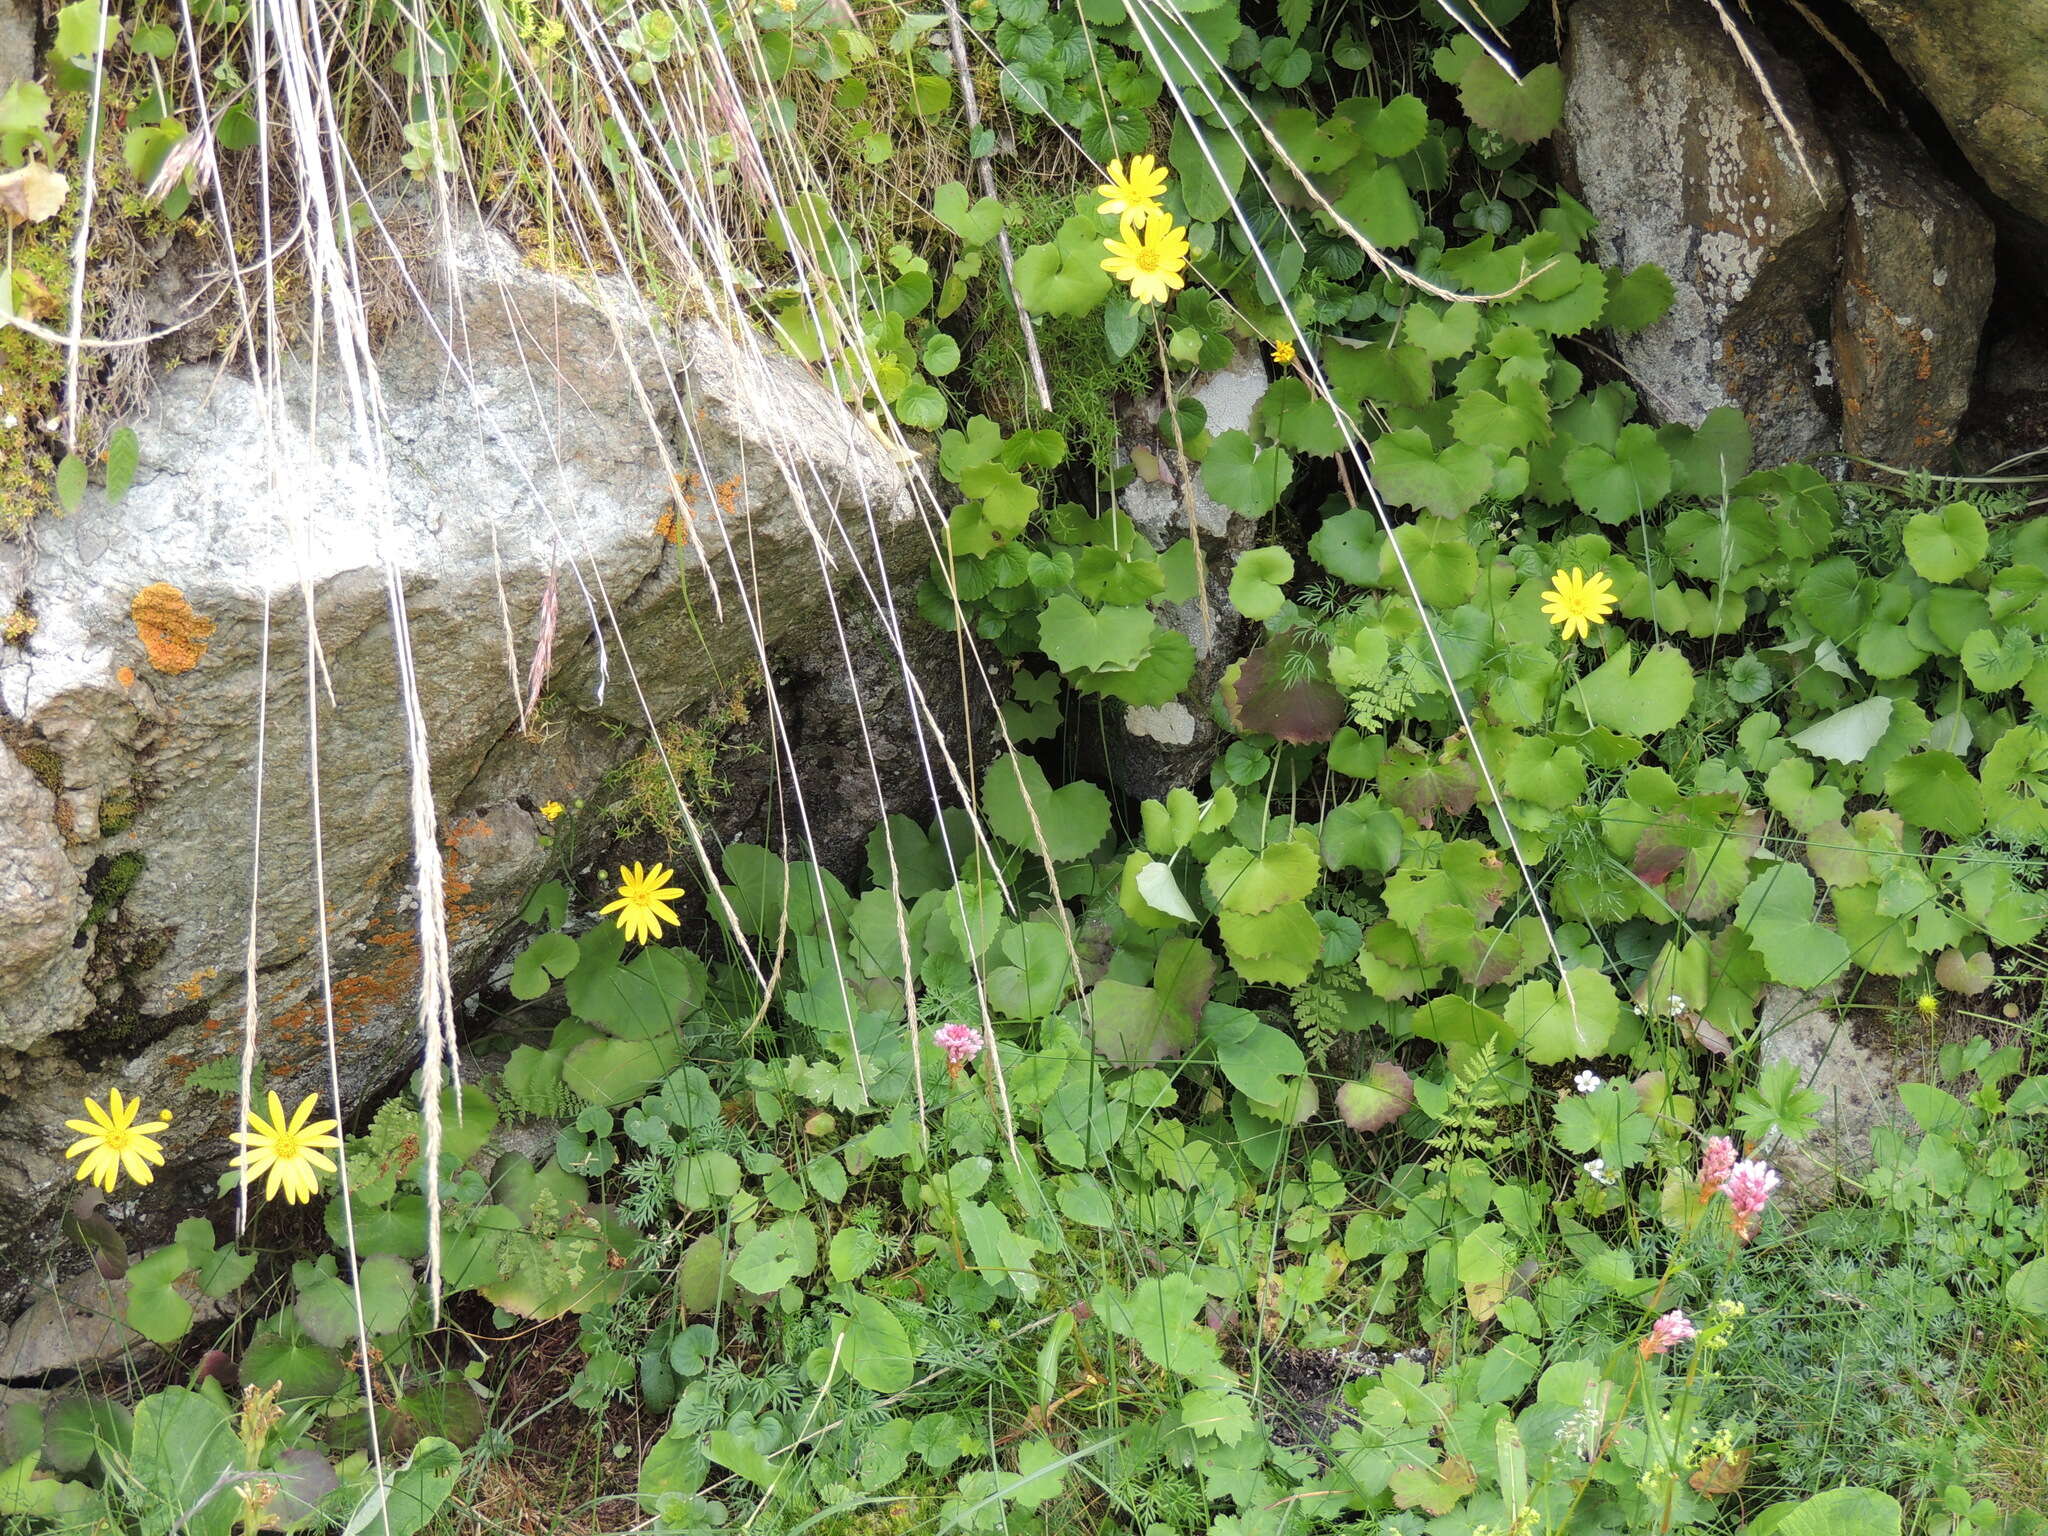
(1983, 64)
(1856, 1081)
(544, 468)
(1166, 746)
(1916, 283)
(17, 42)
(78, 1324)
(1668, 138)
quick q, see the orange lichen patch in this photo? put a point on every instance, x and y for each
(171, 633)
(669, 528)
(195, 984)
(390, 980)
(125, 676)
(727, 494)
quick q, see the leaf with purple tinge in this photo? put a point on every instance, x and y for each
(1268, 692)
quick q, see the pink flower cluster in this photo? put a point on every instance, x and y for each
(1750, 1183)
(1715, 1165)
(1750, 1187)
(1670, 1330)
(961, 1043)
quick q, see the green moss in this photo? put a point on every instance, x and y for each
(113, 886)
(1087, 377)
(118, 812)
(639, 797)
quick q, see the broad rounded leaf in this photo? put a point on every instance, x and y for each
(1384, 1096)
(1025, 810)
(1934, 790)
(1245, 477)
(1256, 581)
(1524, 111)
(1848, 735)
(1946, 545)
(876, 1351)
(1575, 1020)
(1621, 485)
(1242, 880)
(1653, 697)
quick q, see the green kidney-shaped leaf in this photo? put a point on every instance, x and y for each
(1934, 790)
(1651, 698)
(876, 1351)
(1575, 1020)
(1776, 911)
(1240, 879)
(1245, 477)
(1256, 581)
(1621, 485)
(1524, 111)
(1077, 639)
(1946, 545)
(1411, 473)
(1838, 1512)
(1025, 810)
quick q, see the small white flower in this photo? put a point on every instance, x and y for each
(1588, 1082)
(1677, 1003)
(1596, 1170)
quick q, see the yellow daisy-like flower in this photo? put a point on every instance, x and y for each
(1134, 194)
(1283, 353)
(1578, 602)
(113, 1144)
(1151, 260)
(643, 906)
(286, 1150)
(553, 810)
